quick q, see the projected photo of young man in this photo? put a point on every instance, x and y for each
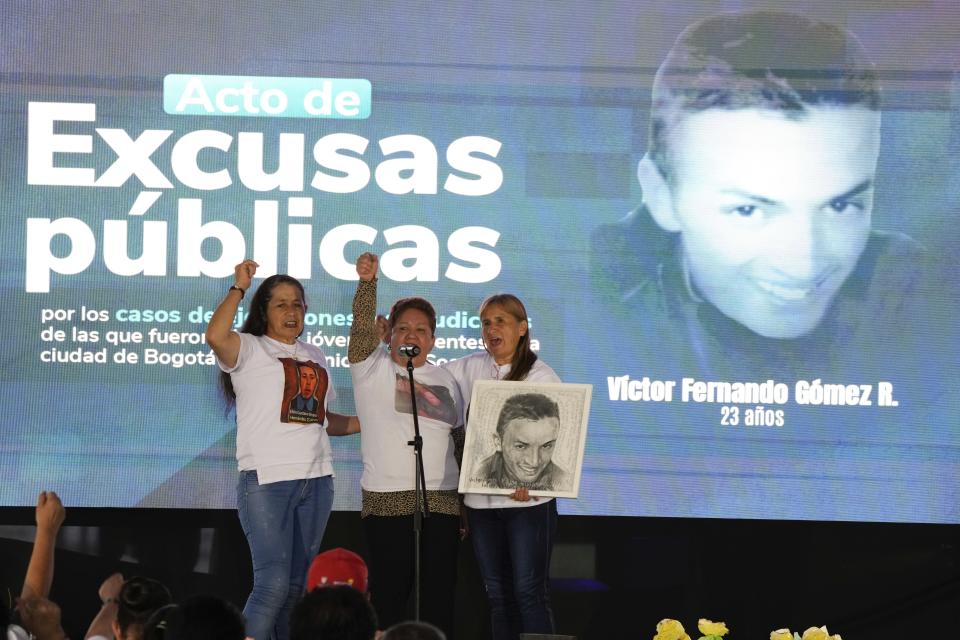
(754, 253)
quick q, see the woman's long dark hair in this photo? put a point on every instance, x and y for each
(523, 355)
(256, 323)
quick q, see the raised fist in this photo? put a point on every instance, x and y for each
(243, 274)
(367, 266)
(50, 511)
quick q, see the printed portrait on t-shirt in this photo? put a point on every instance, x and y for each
(433, 401)
(305, 387)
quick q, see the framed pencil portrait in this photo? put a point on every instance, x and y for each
(524, 434)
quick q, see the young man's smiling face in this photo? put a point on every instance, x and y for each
(527, 447)
(773, 212)
(308, 381)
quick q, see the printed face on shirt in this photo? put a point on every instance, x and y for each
(433, 400)
(501, 332)
(305, 384)
(285, 311)
(412, 327)
(527, 447)
(773, 213)
(308, 381)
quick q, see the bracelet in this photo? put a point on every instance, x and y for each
(111, 601)
(242, 291)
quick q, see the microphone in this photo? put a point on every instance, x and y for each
(409, 350)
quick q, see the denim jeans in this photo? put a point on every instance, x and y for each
(513, 549)
(284, 523)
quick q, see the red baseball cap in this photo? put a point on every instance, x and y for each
(338, 566)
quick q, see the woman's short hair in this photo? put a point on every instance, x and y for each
(526, 406)
(420, 304)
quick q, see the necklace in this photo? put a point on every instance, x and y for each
(496, 370)
(286, 351)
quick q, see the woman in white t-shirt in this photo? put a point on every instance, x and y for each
(512, 535)
(282, 391)
(382, 394)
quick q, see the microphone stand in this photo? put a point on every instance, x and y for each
(420, 509)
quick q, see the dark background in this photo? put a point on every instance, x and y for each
(613, 577)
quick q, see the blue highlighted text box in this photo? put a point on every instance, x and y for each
(266, 97)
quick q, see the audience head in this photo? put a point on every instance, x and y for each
(338, 566)
(413, 631)
(196, 618)
(339, 612)
(139, 598)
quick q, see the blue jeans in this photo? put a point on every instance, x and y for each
(284, 523)
(513, 549)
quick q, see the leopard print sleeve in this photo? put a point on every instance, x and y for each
(364, 338)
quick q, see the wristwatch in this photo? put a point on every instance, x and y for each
(242, 291)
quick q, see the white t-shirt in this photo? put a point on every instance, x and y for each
(482, 366)
(283, 392)
(382, 397)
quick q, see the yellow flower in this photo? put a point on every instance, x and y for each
(668, 629)
(781, 634)
(814, 633)
(709, 628)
